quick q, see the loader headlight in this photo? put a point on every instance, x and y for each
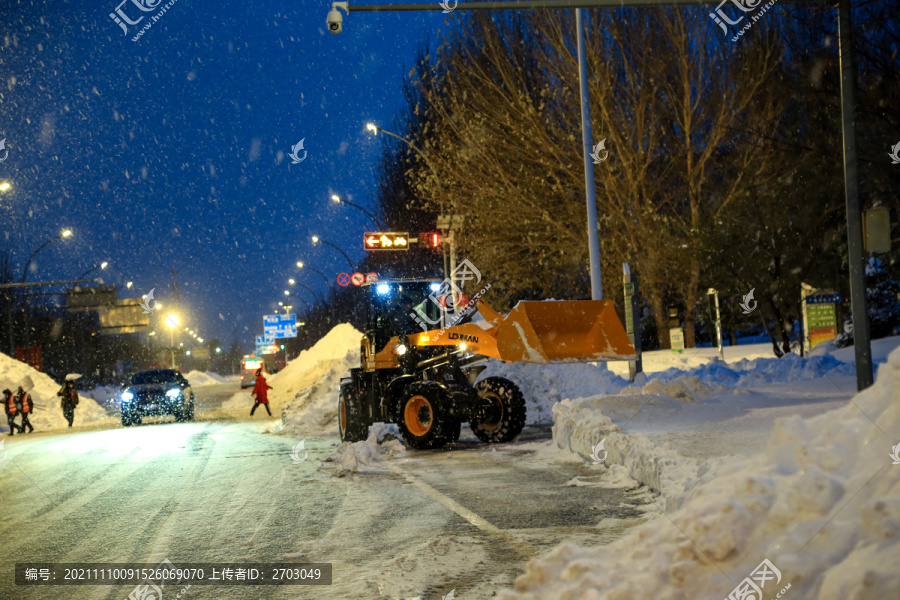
(127, 396)
(401, 350)
(463, 346)
(383, 289)
(435, 287)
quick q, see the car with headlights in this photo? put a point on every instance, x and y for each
(157, 392)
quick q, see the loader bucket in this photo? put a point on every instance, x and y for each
(563, 331)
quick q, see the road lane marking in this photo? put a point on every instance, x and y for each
(524, 550)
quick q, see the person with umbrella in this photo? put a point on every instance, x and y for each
(69, 398)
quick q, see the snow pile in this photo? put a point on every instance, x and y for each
(314, 409)
(822, 504)
(306, 390)
(367, 456)
(199, 378)
(762, 371)
(545, 385)
(686, 388)
(579, 426)
(47, 410)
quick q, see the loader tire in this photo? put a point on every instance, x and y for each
(352, 426)
(453, 431)
(509, 408)
(421, 415)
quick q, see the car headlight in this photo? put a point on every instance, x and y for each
(127, 396)
(173, 393)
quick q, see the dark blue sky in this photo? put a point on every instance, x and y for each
(164, 152)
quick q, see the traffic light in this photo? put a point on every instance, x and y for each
(431, 239)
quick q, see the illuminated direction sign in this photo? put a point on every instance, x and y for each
(386, 240)
(280, 326)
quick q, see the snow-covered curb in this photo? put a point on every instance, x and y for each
(821, 503)
(579, 426)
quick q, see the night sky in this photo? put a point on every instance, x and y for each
(171, 151)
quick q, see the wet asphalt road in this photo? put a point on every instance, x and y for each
(222, 489)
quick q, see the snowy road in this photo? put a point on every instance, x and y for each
(221, 489)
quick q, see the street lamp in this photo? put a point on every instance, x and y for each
(316, 239)
(4, 186)
(172, 322)
(309, 289)
(101, 266)
(129, 284)
(64, 234)
(301, 265)
(339, 200)
(375, 129)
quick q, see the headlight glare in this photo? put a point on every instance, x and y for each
(173, 393)
(127, 396)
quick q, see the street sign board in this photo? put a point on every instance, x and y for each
(343, 279)
(262, 340)
(91, 298)
(386, 240)
(825, 299)
(358, 279)
(372, 277)
(676, 336)
(128, 316)
(280, 326)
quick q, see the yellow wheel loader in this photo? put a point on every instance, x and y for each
(419, 368)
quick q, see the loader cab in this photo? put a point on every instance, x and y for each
(386, 315)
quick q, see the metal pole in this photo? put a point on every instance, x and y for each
(349, 262)
(172, 346)
(861, 343)
(719, 327)
(593, 233)
(528, 5)
(371, 216)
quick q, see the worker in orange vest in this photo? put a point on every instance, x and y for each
(10, 405)
(25, 406)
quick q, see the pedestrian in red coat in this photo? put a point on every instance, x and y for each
(260, 390)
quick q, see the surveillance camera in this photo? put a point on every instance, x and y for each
(335, 19)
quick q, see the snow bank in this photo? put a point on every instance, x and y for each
(579, 426)
(822, 504)
(47, 411)
(313, 411)
(746, 373)
(545, 385)
(306, 390)
(198, 378)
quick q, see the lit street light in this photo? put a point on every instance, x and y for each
(65, 233)
(4, 186)
(301, 265)
(308, 289)
(340, 200)
(101, 266)
(316, 239)
(172, 322)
